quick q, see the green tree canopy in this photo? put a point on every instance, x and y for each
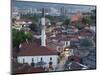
(66, 22)
(93, 16)
(86, 42)
(90, 19)
(33, 17)
(86, 20)
(20, 37)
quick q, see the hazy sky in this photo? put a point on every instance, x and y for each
(69, 7)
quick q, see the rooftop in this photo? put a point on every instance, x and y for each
(34, 49)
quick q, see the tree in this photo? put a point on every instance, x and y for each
(13, 20)
(20, 37)
(29, 36)
(34, 27)
(93, 16)
(50, 17)
(90, 19)
(33, 17)
(86, 20)
(66, 22)
(86, 42)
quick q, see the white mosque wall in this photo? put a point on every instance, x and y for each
(28, 59)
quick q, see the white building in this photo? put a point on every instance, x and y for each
(22, 23)
(37, 52)
(32, 52)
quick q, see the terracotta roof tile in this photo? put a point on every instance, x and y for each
(34, 49)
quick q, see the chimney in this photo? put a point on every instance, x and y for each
(43, 28)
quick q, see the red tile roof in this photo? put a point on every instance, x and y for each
(34, 49)
(85, 32)
(76, 17)
(64, 37)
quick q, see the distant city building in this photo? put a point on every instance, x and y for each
(48, 11)
(15, 13)
(63, 11)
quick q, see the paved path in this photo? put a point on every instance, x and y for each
(60, 66)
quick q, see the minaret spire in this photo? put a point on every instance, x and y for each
(43, 28)
(43, 12)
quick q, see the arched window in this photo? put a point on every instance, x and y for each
(23, 60)
(50, 63)
(41, 59)
(50, 58)
(32, 59)
(41, 63)
(32, 63)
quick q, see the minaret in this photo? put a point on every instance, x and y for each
(43, 29)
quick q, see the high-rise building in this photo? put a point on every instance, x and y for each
(63, 11)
